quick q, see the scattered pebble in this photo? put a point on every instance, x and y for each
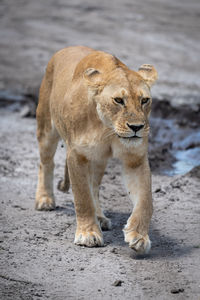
(173, 199)
(159, 190)
(123, 194)
(25, 111)
(177, 291)
(18, 206)
(38, 295)
(117, 283)
(114, 250)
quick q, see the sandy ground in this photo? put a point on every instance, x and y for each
(38, 257)
(163, 33)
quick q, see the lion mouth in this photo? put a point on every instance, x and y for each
(134, 137)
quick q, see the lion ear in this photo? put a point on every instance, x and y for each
(92, 76)
(91, 72)
(149, 73)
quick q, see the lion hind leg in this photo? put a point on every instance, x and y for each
(44, 194)
(48, 137)
(64, 185)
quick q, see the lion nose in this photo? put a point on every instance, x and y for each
(135, 128)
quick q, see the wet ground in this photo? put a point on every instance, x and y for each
(38, 257)
(175, 138)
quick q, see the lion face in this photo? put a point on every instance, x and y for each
(122, 97)
(124, 103)
(126, 111)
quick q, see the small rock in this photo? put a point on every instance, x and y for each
(57, 233)
(25, 111)
(182, 122)
(159, 190)
(173, 199)
(114, 250)
(176, 184)
(147, 278)
(122, 194)
(117, 283)
(164, 150)
(177, 291)
(37, 295)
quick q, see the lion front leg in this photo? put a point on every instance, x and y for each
(96, 173)
(88, 231)
(138, 184)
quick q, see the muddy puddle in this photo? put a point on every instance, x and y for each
(180, 146)
(175, 138)
(174, 144)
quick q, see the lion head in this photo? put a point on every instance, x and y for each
(122, 96)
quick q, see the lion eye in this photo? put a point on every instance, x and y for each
(145, 100)
(119, 101)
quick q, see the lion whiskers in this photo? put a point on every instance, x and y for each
(108, 135)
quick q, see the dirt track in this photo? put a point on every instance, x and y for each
(163, 33)
(38, 257)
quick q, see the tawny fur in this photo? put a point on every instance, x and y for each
(90, 100)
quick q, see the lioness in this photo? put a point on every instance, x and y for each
(100, 108)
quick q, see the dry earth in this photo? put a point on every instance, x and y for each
(38, 257)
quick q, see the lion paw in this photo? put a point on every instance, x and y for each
(141, 244)
(45, 203)
(63, 186)
(89, 238)
(105, 223)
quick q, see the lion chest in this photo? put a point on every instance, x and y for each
(92, 147)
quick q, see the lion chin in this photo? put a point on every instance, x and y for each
(100, 108)
(131, 142)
